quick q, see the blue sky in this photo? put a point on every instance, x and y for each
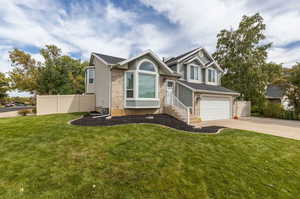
(126, 27)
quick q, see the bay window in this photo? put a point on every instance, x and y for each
(147, 85)
(142, 83)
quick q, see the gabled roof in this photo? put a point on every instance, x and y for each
(150, 52)
(118, 61)
(188, 55)
(209, 88)
(181, 56)
(109, 59)
(274, 92)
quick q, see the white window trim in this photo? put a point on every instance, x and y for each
(189, 73)
(136, 82)
(125, 85)
(216, 76)
(88, 76)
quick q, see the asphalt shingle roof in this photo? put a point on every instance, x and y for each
(201, 86)
(180, 56)
(274, 91)
(110, 59)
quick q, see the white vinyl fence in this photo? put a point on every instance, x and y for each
(51, 104)
(242, 108)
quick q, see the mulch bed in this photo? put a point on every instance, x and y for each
(162, 119)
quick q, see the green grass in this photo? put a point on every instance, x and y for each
(44, 157)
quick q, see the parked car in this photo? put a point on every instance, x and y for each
(20, 104)
(9, 105)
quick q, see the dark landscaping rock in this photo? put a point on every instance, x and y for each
(162, 119)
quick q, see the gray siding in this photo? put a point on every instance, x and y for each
(133, 64)
(185, 95)
(141, 103)
(205, 59)
(102, 82)
(173, 67)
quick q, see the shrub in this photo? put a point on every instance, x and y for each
(273, 110)
(33, 110)
(290, 115)
(257, 109)
(23, 112)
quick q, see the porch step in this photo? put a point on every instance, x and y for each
(195, 121)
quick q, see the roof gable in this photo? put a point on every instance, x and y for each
(155, 57)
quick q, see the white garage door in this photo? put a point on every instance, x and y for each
(213, 108)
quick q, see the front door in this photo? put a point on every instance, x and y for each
(169, 92)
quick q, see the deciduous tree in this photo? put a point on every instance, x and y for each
(4, 86)
(242, 53)
(292, 86)
(57, 74)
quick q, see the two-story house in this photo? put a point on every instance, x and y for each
(145, 84)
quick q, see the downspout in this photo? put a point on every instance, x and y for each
(110, 92)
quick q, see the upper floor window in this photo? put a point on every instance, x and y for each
(91, 76)
(194, 72)
(211, 75)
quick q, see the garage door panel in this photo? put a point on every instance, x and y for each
(215, 108)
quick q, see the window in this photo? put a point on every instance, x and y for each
(194, 73)
(211, 75)
(91, 76)
(142, 83)
(147, 80)
(129, 84)
(147, 66)
(147, 85)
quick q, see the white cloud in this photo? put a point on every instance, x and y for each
(286, 56)
(85, 28)
(201, 21)
(4, 59)
(283, 28)
(90, 26)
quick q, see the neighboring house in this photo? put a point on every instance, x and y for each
(276, 94)
(145, 84)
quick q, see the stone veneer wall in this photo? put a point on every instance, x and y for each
(117, 104)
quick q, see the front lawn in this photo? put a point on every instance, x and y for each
(44, 157)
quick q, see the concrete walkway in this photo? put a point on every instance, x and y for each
(283, 128)
(9, 114)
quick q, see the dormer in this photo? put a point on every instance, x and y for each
(196, 66)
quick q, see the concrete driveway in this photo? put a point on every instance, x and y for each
(283, 128)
